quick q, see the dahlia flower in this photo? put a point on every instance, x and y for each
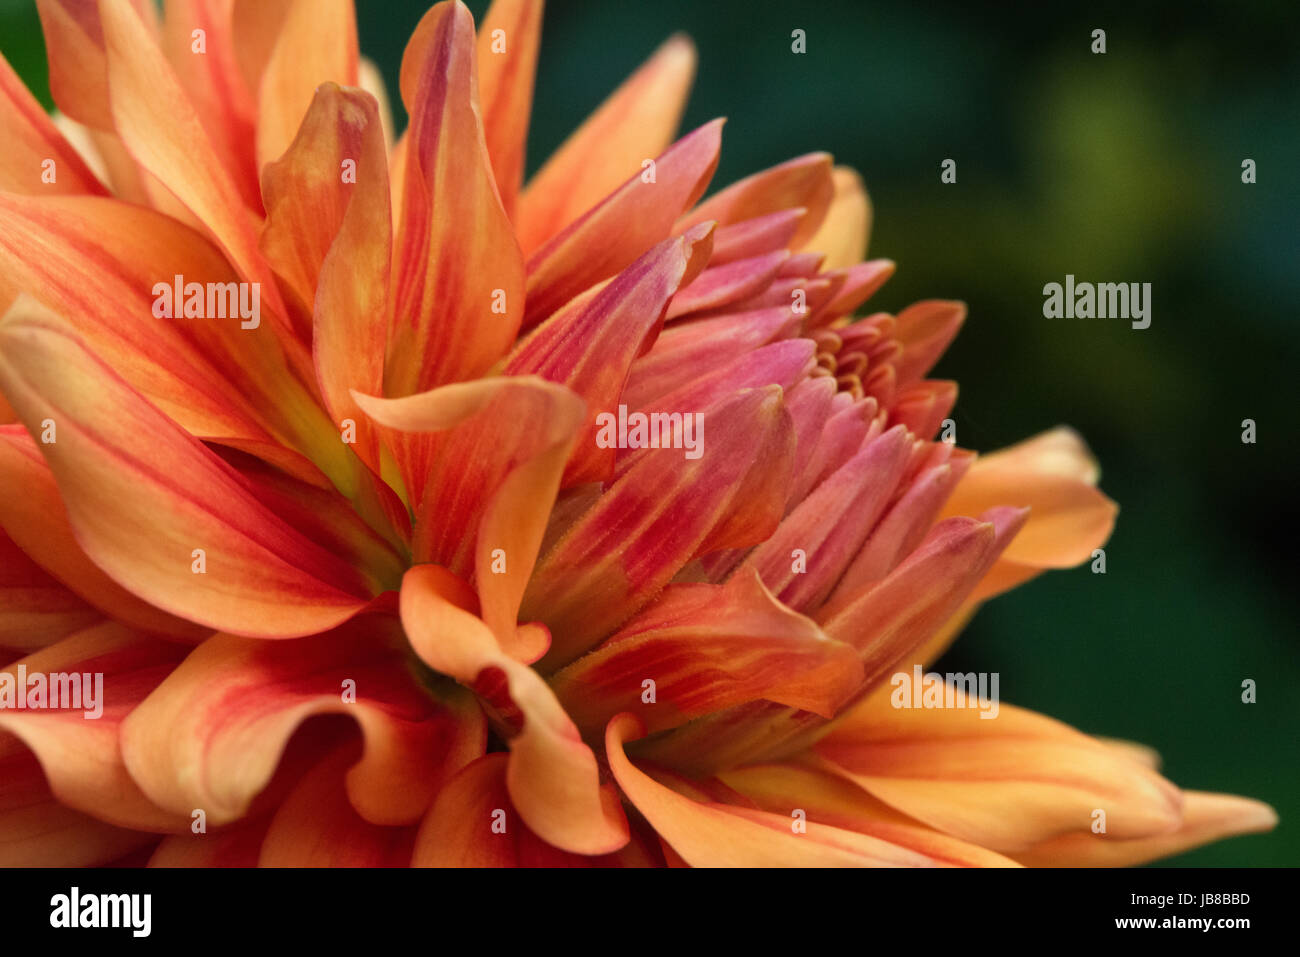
(369, 574)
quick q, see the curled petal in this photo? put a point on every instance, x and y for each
(213, 733)
(552, 775)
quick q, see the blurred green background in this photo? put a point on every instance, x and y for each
(1117, 167)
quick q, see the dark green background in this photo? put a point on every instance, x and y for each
(1119, 167)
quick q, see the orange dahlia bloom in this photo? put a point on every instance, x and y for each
(412, 516)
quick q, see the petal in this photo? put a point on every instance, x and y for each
(142, 519)
(317, 826)
(507, 62)
(843, 234)
(706, 648)
(1006, 783)
(473, 824)
(237, 845)
(35, 610)
(486, 480)
(74, 43)
(329, 234)
(316, 43)
(31, 140)
(1206, 818)
(37, 831)
(829, 799)
(458, 294)
(590, 350)
(925, 329)
(827, 528)
(213, 733)
(804, 182)
(552, 775)
(712, 834)
(630, 220)
(211, 82)
(666, 510)
(33, 515)
(106, 671)
(159, 126)
(97, 261)
(1053, 475)
(635, 123)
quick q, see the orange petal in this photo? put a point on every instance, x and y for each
(329, 234)
(804, 182)
(706, 648)
(236, 845)
(78, 746)
(159, 125)
(1006, 783)
(211, 80)
(486, 480)
(634, 124)
(74, 45)
(37, 831)
(35, 610)
(631, 219)
(552, 776)
(1206, 818)
(473, 824)
(712, 834)
(458, 294)
(142, 521)
(1053, 475)
(843, 234)
(316, 43)
(507, 61)
(666, 510)
(213, 733)
(829, 799)
(33, 515)
(925, 330)
(31, 139)
(317, 826)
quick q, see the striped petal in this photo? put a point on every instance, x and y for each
(827, 798)
(316, 43)
(1054, 476)
(35, 610)
(458, 294)
(213, 733)
(805, 182)
(78, 750)
(591, 350)
(31, 140)
(632, 218)
(709, 833)
(666, 510)
(507, 62)
(634, 124)
(143, 512)
(706, 648)
(1007, 783)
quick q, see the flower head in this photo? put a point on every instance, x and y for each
(414, 515)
